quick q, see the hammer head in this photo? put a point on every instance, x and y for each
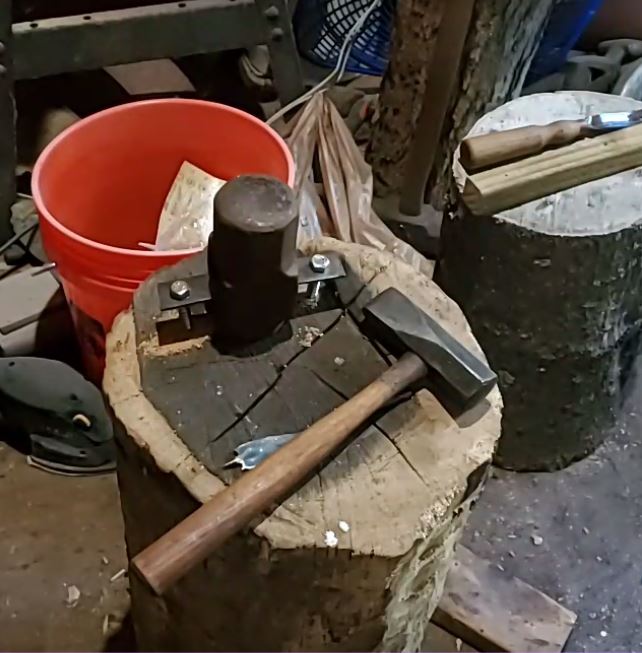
(458, 378)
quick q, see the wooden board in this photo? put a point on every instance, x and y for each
(514, 184)
(438, 640)
(493, 611)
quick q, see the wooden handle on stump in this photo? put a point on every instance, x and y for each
(499, 147)
(174, 554)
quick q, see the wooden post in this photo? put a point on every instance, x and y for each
(500, 45)
(7, 124)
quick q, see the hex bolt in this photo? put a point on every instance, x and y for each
(3, 71)
(314, 293)
(179, 290)
(272, 13)
(277, 34)
(3, 48)
(319, 263)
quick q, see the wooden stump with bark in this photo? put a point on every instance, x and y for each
(395, 499)
(500, 45)
(553, 292)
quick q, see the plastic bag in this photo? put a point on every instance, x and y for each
(187, 217)
(346, 184)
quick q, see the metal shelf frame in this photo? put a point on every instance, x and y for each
(31, 50)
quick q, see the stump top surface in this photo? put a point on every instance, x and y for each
(391, 485)
(598, 207)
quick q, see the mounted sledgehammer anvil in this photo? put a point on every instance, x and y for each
(427, 357)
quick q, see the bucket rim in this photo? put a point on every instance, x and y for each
(45, 214)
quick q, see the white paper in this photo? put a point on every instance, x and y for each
(187, 218)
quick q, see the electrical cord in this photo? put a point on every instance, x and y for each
(14, 239)
(339, 68)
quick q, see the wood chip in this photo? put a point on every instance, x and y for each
(73, 596)
(330, 539)
(307, 335)
(117, 575)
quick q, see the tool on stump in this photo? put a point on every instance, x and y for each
(492, 149)
(252, 258)
(254, 272)
(249, 455)
(428, 357)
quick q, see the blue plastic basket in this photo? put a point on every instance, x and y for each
(567, 23)
(321, 27)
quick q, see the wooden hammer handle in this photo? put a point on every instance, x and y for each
(174, 554)
(500, 147)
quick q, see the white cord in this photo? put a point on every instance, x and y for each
(339, 68)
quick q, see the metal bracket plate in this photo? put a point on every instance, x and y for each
(334, 271)
(200, 290)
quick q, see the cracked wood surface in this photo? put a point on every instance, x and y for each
(215, 402)
(404, 485)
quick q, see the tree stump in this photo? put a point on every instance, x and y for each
(404, 486)
(552, 292)
(501, 42)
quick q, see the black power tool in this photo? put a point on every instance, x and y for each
(54, 413)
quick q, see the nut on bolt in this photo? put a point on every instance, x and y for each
(319, 263)
(179, 290)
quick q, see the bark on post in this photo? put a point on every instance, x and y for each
(552, 290)
(499, 48)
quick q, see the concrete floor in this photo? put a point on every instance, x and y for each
(589, 517)
(58, 533)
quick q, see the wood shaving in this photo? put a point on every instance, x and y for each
(307, 335)
(73, 596)
(330, 539)
(117, 575)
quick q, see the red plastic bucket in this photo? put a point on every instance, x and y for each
(99, 189)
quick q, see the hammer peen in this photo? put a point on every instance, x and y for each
(428, 357)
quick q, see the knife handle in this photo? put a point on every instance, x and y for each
(500, 147)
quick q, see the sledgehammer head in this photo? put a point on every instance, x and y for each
(458, 378)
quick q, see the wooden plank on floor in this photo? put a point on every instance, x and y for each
(493, 611)
(437, 640)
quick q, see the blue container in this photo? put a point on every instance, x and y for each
(321, 27)
(568, 21)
